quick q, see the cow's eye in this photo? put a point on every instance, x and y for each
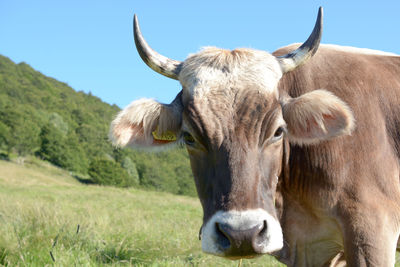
(279, 133)
(188, 138)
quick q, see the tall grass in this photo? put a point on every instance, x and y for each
(48, 218)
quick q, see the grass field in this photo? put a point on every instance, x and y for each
(48, 218)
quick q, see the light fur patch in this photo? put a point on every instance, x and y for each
(241, 220)
(219, 69)
(357, 50)
(351, 49)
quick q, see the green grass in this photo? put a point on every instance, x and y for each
(41, 208)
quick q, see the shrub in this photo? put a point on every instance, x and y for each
(108, 172)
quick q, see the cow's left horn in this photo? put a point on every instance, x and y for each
(299, 56)
(159, 63)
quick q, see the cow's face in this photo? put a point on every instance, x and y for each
(233, 128)
(233, 121)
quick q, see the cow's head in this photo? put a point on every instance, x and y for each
(233, 120)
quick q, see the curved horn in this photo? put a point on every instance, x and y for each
(299, 56)
(159, 63)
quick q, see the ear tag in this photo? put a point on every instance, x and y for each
(165, 136)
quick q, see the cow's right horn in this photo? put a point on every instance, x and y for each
(299, 56)
(159, 63)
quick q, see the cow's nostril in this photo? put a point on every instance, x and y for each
(222, 237)
(264, 229)
(259, 238)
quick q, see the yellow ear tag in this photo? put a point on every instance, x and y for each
(165, 136)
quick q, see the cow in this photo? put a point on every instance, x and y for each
(294, 153)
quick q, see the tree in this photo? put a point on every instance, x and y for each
(107, 172)
(4, 136)
(25, 137)
(4, 140)
(62, 151)
(130, 167)
(159, 177)
(23, 133)
(58, 122)
(185, 181)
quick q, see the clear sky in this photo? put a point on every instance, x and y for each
(89, 44)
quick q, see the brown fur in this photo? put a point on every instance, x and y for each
(344, 193)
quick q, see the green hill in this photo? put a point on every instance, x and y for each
(44, 117)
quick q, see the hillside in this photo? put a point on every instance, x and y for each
(43, 209)
(44, 117)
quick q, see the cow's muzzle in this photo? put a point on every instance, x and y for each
(241, 234)
(242, 243)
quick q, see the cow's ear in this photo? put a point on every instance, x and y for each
(147, 123)
(316, 116)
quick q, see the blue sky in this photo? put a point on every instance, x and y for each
(89, 44)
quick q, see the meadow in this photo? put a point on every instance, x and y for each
(48, 218)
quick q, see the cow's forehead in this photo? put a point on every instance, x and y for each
(234, 115)
(214, 69)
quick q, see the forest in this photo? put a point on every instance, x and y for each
(47, 119)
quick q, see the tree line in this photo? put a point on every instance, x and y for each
(42, 117)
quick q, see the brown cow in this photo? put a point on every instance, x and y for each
(297, 160)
